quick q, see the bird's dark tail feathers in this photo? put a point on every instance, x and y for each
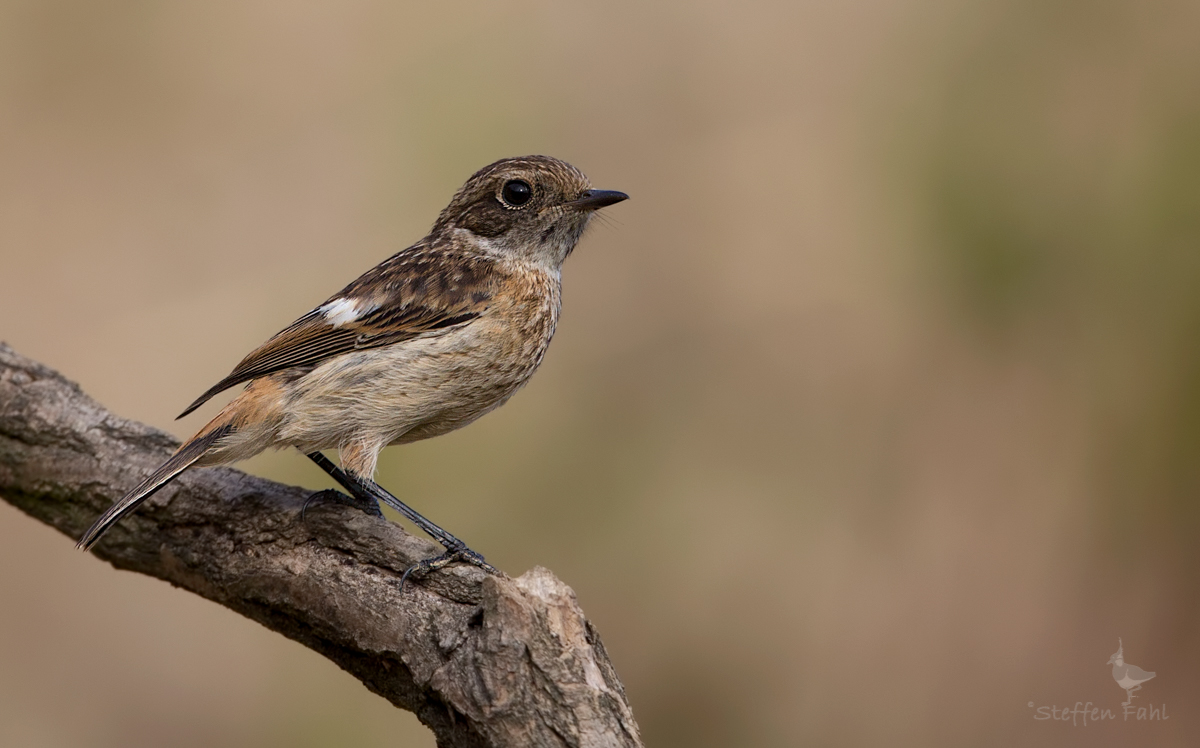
(180, 461)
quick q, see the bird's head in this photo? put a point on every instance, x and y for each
(532, 207)
(1119, 657)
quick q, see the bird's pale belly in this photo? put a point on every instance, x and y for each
(406, 392)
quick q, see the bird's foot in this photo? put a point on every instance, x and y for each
(456, 553)
(370, 506)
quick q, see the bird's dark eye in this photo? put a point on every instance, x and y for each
(516, 192)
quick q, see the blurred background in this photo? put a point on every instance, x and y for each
(873, 417)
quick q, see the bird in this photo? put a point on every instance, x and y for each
(1129, 677)
(424, 343)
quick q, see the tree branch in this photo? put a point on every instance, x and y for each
(481, 660)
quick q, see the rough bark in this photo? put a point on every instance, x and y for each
(482, 660)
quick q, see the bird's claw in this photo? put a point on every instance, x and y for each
(368, 506)
(458, 553)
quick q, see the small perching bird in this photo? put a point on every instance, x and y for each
(422, 344)
(1129, 677)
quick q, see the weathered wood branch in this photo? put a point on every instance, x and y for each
(481, 660)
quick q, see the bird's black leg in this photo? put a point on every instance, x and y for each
(370, 491)
(366, 490)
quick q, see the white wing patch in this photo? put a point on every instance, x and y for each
(344, 311)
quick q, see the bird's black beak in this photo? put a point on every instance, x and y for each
(597, 199)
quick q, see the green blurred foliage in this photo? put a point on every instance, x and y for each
(1065, 187)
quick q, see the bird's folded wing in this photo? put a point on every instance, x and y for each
(1135, 672)
(413, 293)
